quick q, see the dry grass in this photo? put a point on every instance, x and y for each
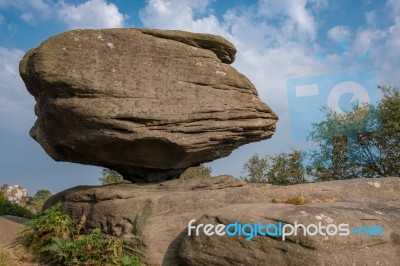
(297, 201)
(301, 200)
(327, 200)
(6, 258)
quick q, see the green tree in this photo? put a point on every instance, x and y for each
(256, 168)
(200, 170)
(345, 151)
(109, 177)
(286, 169)
(36, 202)
(2, 196)
(281, 169)
(42, 194)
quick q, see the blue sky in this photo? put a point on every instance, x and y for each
(276, 41)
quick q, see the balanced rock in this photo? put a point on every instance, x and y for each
(146, 103)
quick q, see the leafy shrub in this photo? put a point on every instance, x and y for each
(130, 260)
(200, 170)
(40, 232)
(53, 238)
(109, 177)
(8, 208)
(91, 249)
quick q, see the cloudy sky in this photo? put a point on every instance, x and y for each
(276, 41)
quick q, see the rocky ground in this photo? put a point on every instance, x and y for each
(152, 220)
(10, 226)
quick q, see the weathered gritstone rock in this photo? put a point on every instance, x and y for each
(300, 249)
(152, 220)
(146, 103)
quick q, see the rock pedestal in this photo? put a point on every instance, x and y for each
(152, 220)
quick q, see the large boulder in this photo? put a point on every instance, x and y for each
(146, 103)
(152, 220)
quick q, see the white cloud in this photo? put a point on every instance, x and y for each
(91, 14)
(16, 104)
(28, 17)
(177, 14)
(30, 10)
(394, 7)
(294, 12)
(387, 55)
(9, 76)
(368, 38)
(370, 17)
(38, 5)
(372, 46)
(339, 33)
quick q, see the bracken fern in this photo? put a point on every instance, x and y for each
(53, 238)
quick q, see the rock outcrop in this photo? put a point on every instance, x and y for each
(146, 103)
(152, 220)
